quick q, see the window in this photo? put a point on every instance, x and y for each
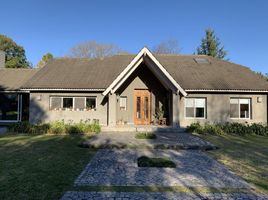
(72, 103)
(195, 107)
(9, 107)
(123, 103)
(239, 108)
(91, 103)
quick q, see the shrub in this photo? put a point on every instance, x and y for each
(56, 127)
(145, 135)
(229, 128)
(145, 161)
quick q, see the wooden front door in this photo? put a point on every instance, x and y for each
(142, 107)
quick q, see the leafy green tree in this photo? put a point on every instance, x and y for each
(15, 54)
(45, 59)
(211, 46)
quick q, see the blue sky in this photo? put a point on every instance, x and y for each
(57, 25)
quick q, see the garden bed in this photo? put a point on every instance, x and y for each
(145, 135)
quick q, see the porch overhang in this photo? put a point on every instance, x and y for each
(155, 66)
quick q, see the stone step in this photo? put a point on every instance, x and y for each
(141, 129)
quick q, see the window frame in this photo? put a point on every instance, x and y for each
(74, 106)
(205, 108)
(125, 97)
(239, 108)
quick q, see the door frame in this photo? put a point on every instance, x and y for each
(142, 93)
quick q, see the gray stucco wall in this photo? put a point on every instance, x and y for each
(40, 112)
(218, 109)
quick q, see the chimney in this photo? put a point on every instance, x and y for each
(2, 59)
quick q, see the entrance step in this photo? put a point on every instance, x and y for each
(142, 129)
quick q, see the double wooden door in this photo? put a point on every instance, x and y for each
(142, 107)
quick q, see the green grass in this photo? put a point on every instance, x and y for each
(145, 161)
(247, 156)
(40, 167)
(145, 135)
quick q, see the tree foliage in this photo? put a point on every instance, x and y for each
(45, 59)
(167, 47)
(15, 54)
(92, 49)
(211, 46)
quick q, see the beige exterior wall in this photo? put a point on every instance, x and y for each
(218, 107)
(40, 112)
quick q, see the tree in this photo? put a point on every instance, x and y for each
(263, 75)
(92, 49)
(15, 54)
(211, 46)
(45, 59)
(167, 47)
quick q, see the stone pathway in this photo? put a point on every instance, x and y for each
(164, 140)
(158, 196)
(194, 169)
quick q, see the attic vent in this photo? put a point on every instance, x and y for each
(201, 60)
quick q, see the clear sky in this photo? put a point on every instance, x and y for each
(56, 25)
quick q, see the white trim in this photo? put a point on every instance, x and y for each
(60, 89)
(131, 67)
(213, 90)
(127, 75)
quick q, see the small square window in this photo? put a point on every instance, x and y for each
(123, 103)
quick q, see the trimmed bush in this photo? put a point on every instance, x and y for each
(56, 127)
(229, 128)
(145, 135)
(165, 162)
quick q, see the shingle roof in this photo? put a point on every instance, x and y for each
(67, 73)
(13, 79)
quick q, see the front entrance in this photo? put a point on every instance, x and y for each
(142, 107)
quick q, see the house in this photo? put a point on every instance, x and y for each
(134, 90)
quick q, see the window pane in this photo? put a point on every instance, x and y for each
(123, 103)
(189, 112)
(67, 102)
(138, 114)
(189, 102)
(234, 108)
(200, 112)
(9, 107)
(55, 103)
(146, 107)
(91, 103)
(200, 103)
(234, 101)
(79, 103)
(244, 110)
(244, 101)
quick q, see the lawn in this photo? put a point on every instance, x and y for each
(40, 167)
(247, 156)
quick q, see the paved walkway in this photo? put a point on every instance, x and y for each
(164, 140)
(194, 169)
(158, 196)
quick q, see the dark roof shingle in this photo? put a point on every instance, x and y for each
(13, 79)
(67, 73)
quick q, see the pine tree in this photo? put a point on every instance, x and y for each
(211, 46)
